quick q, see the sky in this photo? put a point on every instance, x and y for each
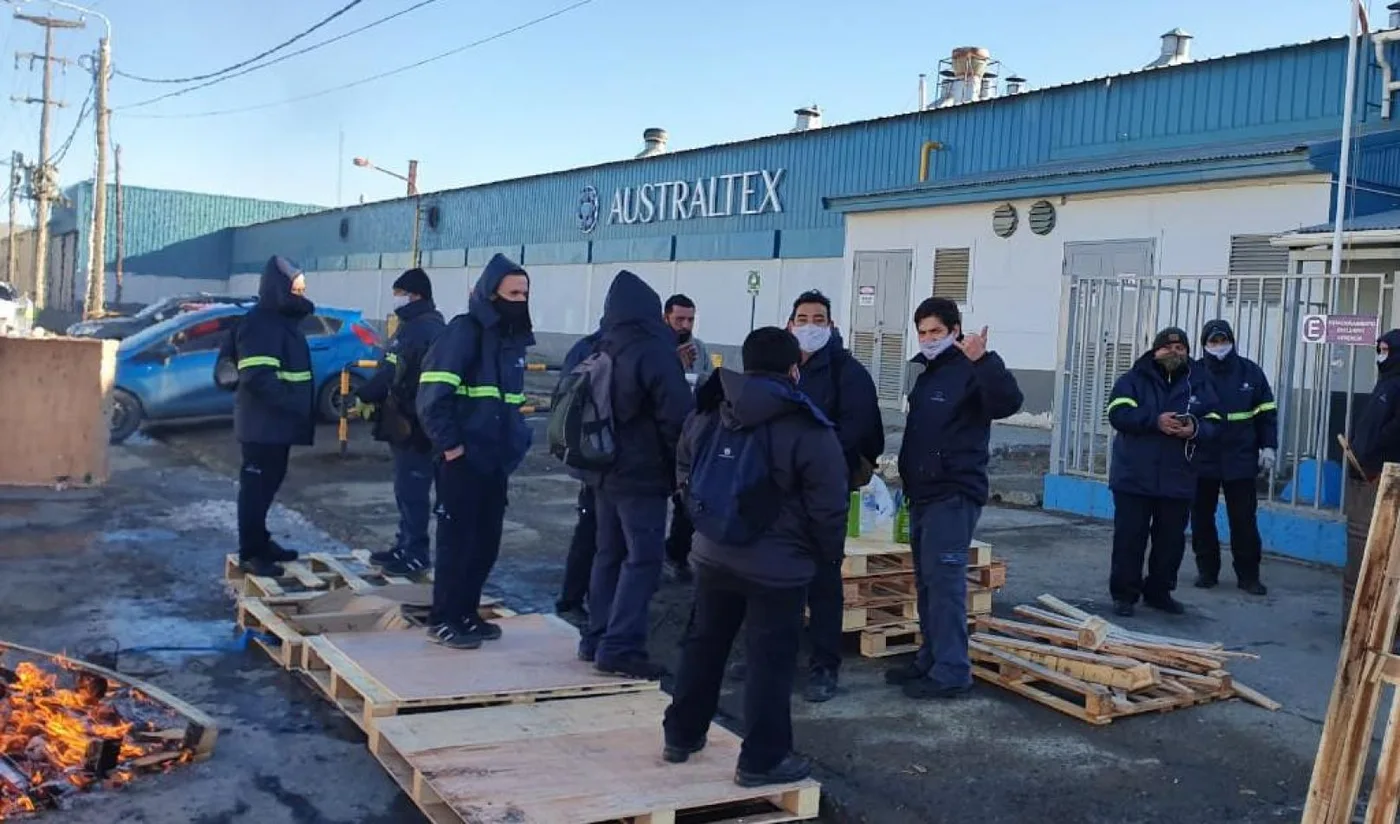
(574, 90)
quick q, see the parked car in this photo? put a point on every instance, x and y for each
(119, 327)
(165, 373)
(9, 308)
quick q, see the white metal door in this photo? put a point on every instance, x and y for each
(880, 317)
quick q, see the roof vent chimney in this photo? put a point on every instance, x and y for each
(1394, 15)
(1176, 49)
(655, 142)
(967, 75)
(808, 118)
(1015, 84)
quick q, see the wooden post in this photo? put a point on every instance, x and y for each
(96, 298)
(121, 229)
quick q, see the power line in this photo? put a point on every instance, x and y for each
(280, 59)
(362, 81)
(255, 58)
(82, 115)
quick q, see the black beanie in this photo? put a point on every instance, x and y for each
(1171, 335)
(415, 282)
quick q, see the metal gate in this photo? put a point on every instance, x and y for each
(1107, 321)
(879, 317)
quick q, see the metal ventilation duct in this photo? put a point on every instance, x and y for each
(1176, 49)
(655, 140)
(808, 118)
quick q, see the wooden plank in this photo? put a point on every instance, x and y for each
(1258, 698)
(54, 415)
(897, 639)
(601, 756)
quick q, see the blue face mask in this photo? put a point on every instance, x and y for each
(933, 348)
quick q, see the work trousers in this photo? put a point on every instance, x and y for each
(1241, 507)
(471, 514)
(261, 475)
(825, 604)
(941, 534)
(1136, 520)
(413, 487)
(682, 534)
(626, 571)
(772, 620)
(578, 566)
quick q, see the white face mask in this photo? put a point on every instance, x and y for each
(933, 348)
(400, 301)
(812, 337)
(1382, 356)
(1219, 350)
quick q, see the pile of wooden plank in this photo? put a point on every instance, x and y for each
(1096, 671)
(881, 594)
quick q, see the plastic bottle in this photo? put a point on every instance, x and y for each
(853, 516)
(901, 521)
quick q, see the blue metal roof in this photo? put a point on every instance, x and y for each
(1378, 222)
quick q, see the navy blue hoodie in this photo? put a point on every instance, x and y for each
(1248, 407)
(853, 405)
(949, 427)
(419, 325)
(275, 402)
(650, 395)
(473, 381)
(1378, 429)
(806, 466)
(1145, 460)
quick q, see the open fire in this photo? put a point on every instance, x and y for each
(64, 729)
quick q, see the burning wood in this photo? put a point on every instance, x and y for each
(64, 727)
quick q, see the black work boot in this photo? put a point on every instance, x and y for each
(680, 753)
(1207, 580)
(281, 554)
(1254, 587)
(791, 769)
(903, 673)
(1165, 603)
(1123, 609)
(821, 686)
(261, 566)
(632, 666)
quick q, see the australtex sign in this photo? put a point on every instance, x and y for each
(739, 193)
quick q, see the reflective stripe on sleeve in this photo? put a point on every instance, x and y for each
(259, 360)
(1116, 402)
(449, 378)
(1267, 406)
(294, 377)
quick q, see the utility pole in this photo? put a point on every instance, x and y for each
(97, 247)
(121, 229)
(44, 178)
(11, 253)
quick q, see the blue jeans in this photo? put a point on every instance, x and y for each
(413, 485)
(626, 571)
(941, 534)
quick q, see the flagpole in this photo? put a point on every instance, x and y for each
(1344, 163)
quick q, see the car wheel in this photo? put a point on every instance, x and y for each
(328, 399)
(124, 416)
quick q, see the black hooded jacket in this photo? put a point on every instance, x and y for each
(275, 402)
(1247, 405)
(841, 387)
(419, 325)
(1378, 430)
(650, 395)
(807, 467)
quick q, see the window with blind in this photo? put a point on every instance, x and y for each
(1257, 269)
(952, 273)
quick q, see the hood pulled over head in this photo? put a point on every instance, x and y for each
(631, 302)
(514, 319)
(275, 289)
(752, 399)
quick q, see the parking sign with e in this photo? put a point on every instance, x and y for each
(1314, 328)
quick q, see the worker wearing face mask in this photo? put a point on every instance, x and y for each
(1161, 411)
(1378, 430)
(1246, 446)
(679, 314)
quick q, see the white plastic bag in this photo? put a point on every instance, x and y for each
(876, 507)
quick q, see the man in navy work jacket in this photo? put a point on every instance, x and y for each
(572, 604)
(469, 399)
(762, 582)
(650, 401)
(273, 408)
(1378, 430)
(395, 387)
(842, 388)
(1245, 446)
(943, 463)
(1162, 411)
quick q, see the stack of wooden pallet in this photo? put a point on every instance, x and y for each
(881, 594)
(1096, 671)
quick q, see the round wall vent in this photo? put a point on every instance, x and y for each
(1004, 220)
(1042, 217)
(434, 216)
(344, 228)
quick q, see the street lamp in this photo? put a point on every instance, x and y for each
(411, 178)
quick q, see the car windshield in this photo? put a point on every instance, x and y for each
(153, 309)
(165, 329)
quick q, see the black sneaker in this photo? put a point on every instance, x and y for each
(633, 666)
(1254, 587)
(281, 554)
(790, 770)
(383, 556)
(926, 690)
(1165, 603)
(586, 652)
(485, 630)
(1123, 609)
(453, 636)
(680, 753)
(262, 566)
(821, 686)
(576, 615)
(404, 565)
(903, 674)
(1204, 581)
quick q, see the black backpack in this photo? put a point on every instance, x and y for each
(581, 431)
(730, 493)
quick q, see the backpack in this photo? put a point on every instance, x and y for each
(730, 494)
(581, 417)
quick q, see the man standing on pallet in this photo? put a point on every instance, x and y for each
(274, 408)
(1245, 447)
(469, 399)
(761, 473)
(961, 389)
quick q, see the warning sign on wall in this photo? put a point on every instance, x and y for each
(866, 295)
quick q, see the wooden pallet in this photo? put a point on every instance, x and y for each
(882, 612)
(992, 576)
(376, 674)
(879, 590)
(872, 556)
(893, 639)
(317, 572)
(597, 760)
(283, 623)
(1094, 703)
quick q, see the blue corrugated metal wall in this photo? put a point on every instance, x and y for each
(1287, 92)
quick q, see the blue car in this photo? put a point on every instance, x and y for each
(165, 373)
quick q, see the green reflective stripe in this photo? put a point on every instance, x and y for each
(1267, 406)
(518, 400)
(391, 358)
(1211, 416)
(483, 392)
(294, 377)
(1116, 402)
(441, 377)
(258, 360)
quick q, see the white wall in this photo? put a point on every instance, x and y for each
(1016, 282)
(151, 288)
